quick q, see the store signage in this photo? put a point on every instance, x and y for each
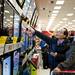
(20, 3)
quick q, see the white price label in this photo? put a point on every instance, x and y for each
(9, 48)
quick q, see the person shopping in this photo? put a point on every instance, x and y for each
(57, 47)
(69, 63)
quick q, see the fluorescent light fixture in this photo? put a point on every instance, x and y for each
(8, 20)
(70, 14)
(73, 20)
(55, 11)
(6, 11)
(61, 22)
(5, 22)
(58, 24)
(52, 17)
(0, 5)
(57, 7)
(11, 16)
(30, 7)
(74, 8)
(60, 2)
(50, 23)
(69, 22)
(54, 14)
(65, 19)
(34, 3)
(4, 17)
(28, 1)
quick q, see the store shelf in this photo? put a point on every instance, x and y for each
(9, 48)
(27, 57)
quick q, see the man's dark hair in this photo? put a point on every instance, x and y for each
(66, 32)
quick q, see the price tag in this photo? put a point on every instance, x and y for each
(1, 49)
(9, 48)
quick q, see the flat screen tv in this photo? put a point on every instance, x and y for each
(15, 63)
(7, 66)
(16, 24)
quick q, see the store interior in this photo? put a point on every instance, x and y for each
(21, 24)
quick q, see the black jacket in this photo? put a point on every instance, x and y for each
(51, 41)
(69, 63)
(60, 49)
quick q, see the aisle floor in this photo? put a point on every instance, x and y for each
(43, 72)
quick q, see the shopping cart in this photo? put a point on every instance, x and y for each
(66, 72)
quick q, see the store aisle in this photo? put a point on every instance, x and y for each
(43, 72)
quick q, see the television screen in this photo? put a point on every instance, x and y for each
(16, 24)
(15, 62)
(8, 16)
(7, 66)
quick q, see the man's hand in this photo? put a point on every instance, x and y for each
(54, 54)
(57, 69)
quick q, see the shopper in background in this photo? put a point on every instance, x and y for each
(69, 63)
(57, 47)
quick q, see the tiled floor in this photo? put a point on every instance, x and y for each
(43, 72)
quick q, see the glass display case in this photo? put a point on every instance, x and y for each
(8, 16)
(26, 7)
(7, 66)
(31, 9)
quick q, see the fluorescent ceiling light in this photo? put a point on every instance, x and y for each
(8, 20)
(54, 14)
(55, 11)
(70, 23)
(52, 17)
(30, 7)
(28, 1)
(65, 19)
(61, 22)
(4, 17)
(73, 20)
(6, 11)
(57, 7)
(0, 5)
(5, 22)
(60, 2)
(70, 14)
(58, 24)
(34, 3)
(74, 8)
(11, 16)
